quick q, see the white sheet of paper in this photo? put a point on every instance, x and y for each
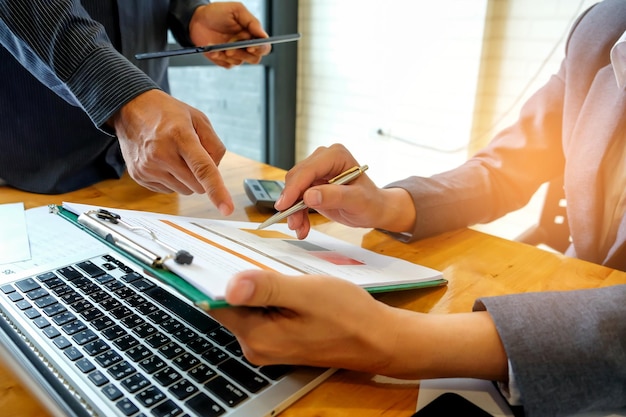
(14, 245)
(52, 243)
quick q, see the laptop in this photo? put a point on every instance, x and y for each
(91, 333)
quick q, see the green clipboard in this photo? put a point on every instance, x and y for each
(199, 298)
(167, 277)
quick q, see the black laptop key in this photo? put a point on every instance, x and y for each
(53, 282)
(150, 396)
(47, 276)
(98, 378)
(144, 330)
(135, 383)
(91, 314)
(243, 375)
(215, 355)
(61, 342)
(114, 332)
(221, 336)
(167, 409)
(202, 373)
(127, 407)
(112, 392)
(92, 270)
(51, 332)
(275, 372)
(186, 361)
(152, 364)
(45, 301)
(102, 323)
(84, 337)
(27, 284)
(204, 406)
(40, 322)
(15, 297)
(36, 293)
(63, 318)
(69, 273)
(142, 285)
(73, 353)
(133, 276)
(108, 358)
(31, 313)
(138, 353)
(54, 309)
(226, 390)
(200, 345)
(7, 288)
(167, 376)
(121, 370)
(183, 389)
(85, 365)
(196, 318)
(96, 347)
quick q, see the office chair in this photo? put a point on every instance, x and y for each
(552, 229)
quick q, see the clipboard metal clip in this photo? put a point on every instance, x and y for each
(95, 220)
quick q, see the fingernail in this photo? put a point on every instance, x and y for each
(244, 291)
(314, 197)
(224, 209)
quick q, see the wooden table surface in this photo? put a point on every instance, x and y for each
(475, 265)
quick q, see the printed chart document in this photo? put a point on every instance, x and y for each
(221, 248)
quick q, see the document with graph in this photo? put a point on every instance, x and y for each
(217, 249)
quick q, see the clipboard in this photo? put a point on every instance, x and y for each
(164, 275)
(330, 253)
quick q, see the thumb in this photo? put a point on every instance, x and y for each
(254, 288)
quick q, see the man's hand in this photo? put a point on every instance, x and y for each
(224, 22)
(169, 146)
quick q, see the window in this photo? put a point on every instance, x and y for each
(251, 107)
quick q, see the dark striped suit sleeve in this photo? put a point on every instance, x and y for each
(70, 53)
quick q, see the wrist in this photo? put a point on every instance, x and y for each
(398, 211)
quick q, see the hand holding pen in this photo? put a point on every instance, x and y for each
(343, 178)
(357, 203)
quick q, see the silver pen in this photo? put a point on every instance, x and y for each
(343, 178)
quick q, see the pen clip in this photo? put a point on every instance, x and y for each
(344, 174)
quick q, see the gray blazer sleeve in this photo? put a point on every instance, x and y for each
(567, 349)
(70, 53)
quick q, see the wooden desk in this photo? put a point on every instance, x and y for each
(474, 263)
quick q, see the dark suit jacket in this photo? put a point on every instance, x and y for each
(62, 79)
(568, 349)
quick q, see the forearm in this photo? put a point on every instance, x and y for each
(450, 345)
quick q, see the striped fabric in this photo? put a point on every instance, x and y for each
(63, 78)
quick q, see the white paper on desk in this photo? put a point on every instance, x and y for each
(13, 234)
(54, 242)
(221, 248)
(484, 394)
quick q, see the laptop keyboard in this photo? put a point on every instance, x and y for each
(147, 351)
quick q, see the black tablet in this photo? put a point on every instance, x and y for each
(220, 46)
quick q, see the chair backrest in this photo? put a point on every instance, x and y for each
(552, 229)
